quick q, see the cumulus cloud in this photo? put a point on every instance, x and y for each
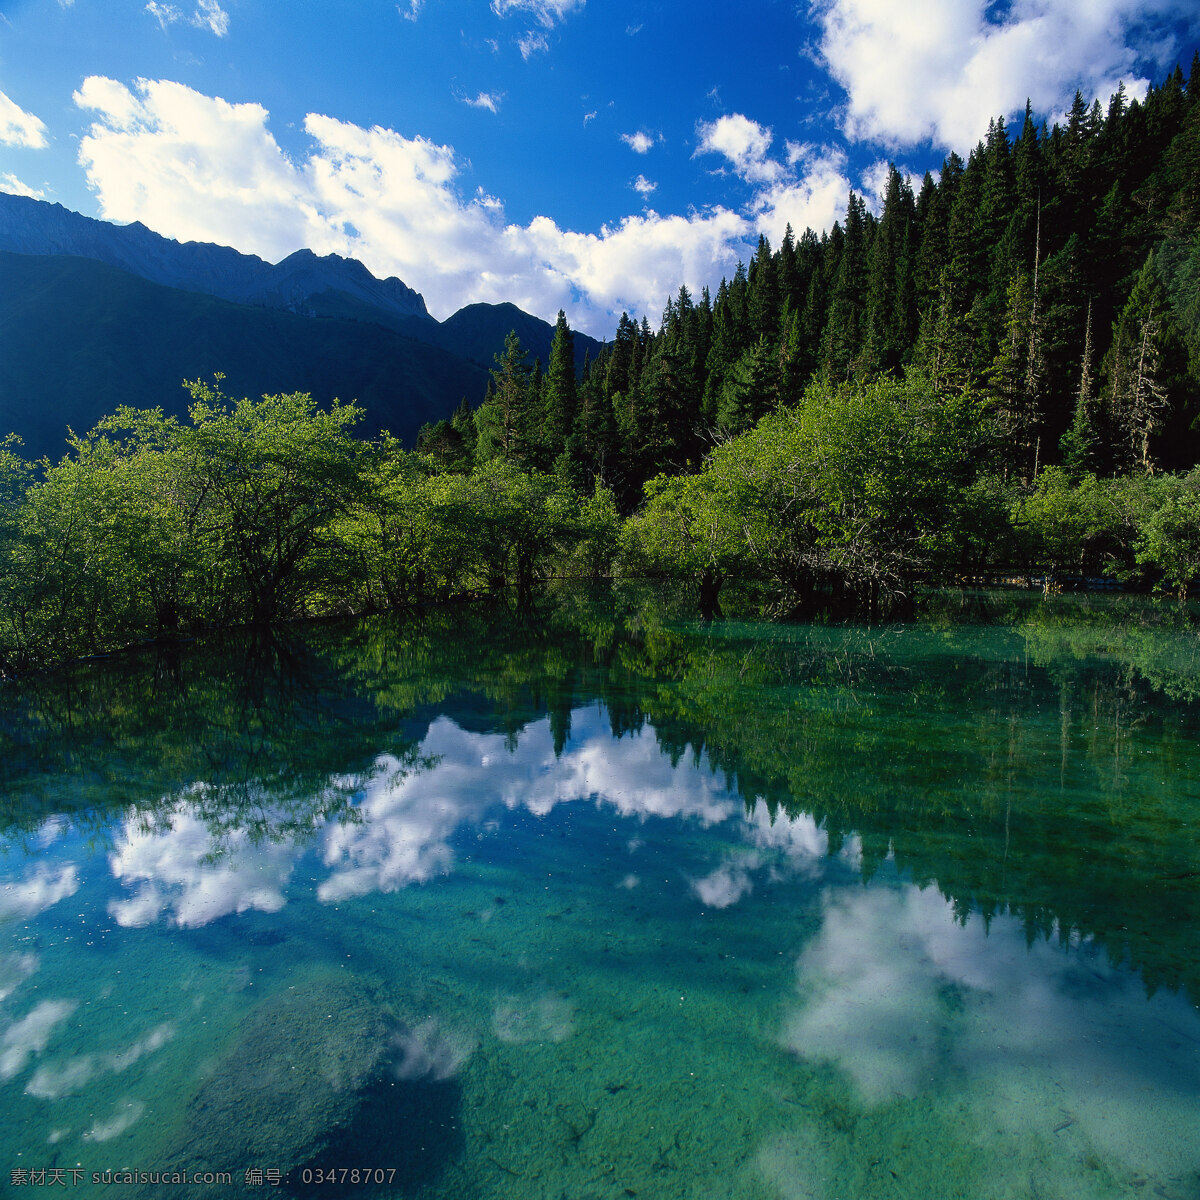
(744, 143)
(198, 168)
(488, 100)
(19, 128)
(128, 1112)
(643, 186)
(640, 142)
(906, 1000)
(52, 1082)
(431, 1052)
(726, 885)
(942, 72)
(14, 970)
(193, 167)
(812, 195)
(874, 182)
(409, 819)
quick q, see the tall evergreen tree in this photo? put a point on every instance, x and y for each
(751, 389)
(559, 400)
(506, 422)
(847, 304)
(1145, 369)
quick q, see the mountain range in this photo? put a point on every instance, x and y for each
(94, 315)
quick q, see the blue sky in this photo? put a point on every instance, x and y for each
(555, 153)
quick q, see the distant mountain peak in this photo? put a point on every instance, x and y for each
(30, 226)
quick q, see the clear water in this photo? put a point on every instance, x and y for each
(609, 905)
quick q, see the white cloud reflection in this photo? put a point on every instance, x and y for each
(907, 1001)
(178, 868)
(38, 890)
(31, 1034)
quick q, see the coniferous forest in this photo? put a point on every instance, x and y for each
(998, 373)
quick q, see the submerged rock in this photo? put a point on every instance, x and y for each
(291, 1083)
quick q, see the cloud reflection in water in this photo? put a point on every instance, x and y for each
(1037, 1039)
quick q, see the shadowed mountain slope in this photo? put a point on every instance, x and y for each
(79, 337)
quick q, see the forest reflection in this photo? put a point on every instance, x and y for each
(1025, 758)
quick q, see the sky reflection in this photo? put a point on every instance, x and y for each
(1039, 1038)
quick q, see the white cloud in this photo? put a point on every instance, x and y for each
(590, 116)
(14, 970)
(413, 10)
(643, 186)
(488, 100)
(164, 14)
(545, 12)
(52, 1082)
(209, 15)
(941, 72)
(409, 819)
(127, 1113)
(814, 196)
(532, 43)
(15, 187)
(640, 142)
(193, 168)
(744, 143)
(198, 168)
(19, 128)
(726, 885)
(431, 1052)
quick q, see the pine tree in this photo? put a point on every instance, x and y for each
(506, 421)
(593, 439)
(889, 282)
(844, 327)
(1082, 444)
(763, 291)
(1014, 378)
(752, 388)
(1144, 367)
(559, 401)
(621, 359)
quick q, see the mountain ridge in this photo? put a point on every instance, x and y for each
(79, 337)
(30, 226)
(304, 283)
(93, 315)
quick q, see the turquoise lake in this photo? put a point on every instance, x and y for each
(611, 903)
